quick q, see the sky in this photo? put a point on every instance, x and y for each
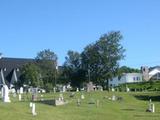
(30, 26)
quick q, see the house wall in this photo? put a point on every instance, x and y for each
(125, 78)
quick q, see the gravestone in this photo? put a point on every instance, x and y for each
(77, 90)
(5, 94)
(78, 102)
(82, 96)
(59, 102)
(30, 104)
(113, 97)
(13, 90)
(34, 109)
(54, 90)
(90, 87)
(61, 97)
(127, 89)
(19, 97)
(2, 92)
(101, 89)
(18, 91)
(112, 89)
(151, 107)
(97, 103)
(34, 94)
(64, 89)
(21, 90)
(42, 98)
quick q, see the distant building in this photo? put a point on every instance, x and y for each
(152, 73)
(10, 69)
(125, 78)
(145, 72)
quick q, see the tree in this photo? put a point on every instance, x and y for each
(125, 69)
(30, 75)
(72, 69)
(102, 58)
(47, 62)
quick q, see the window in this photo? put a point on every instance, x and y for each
(134, 78)
(137, 78)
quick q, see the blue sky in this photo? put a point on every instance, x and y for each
(29, 26)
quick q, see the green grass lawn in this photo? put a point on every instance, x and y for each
(131, 107)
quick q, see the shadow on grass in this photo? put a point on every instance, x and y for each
(47, 102)
(147, 116)
(128, 109)
(147, 97)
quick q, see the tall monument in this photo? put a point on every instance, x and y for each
(5, 94)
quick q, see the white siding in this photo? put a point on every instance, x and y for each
(126, 78)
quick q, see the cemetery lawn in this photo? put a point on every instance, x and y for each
(131, 106)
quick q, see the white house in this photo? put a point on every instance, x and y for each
(125, 78)
(154, 73)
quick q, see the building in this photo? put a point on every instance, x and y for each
(125, 78)
(152, 73)
(10, 69)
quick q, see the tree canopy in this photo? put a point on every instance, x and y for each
(31, 75)
(98, 62)
(102, 57)
(72, 69)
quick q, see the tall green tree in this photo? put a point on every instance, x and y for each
(47, 62)
(72, 69)
(30, 75)
(102, 58)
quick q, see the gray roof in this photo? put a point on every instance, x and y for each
(11, 65)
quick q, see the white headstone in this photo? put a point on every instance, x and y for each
(152, 108)
(2, 92)
(77, 90)
(64, 89)
(61, 97)
(112, 89)
(78, 102)
(42, 98)
(5, 94)
(19, 97)
(13, 90)
(54, 89)
(18, 91)
(30, 104)
(101, 89)
(127, 89)
(34, 109)
(90, 87)
(82, 96)
(21, 90)
(113, 97)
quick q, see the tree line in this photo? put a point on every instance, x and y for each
(98, 62)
